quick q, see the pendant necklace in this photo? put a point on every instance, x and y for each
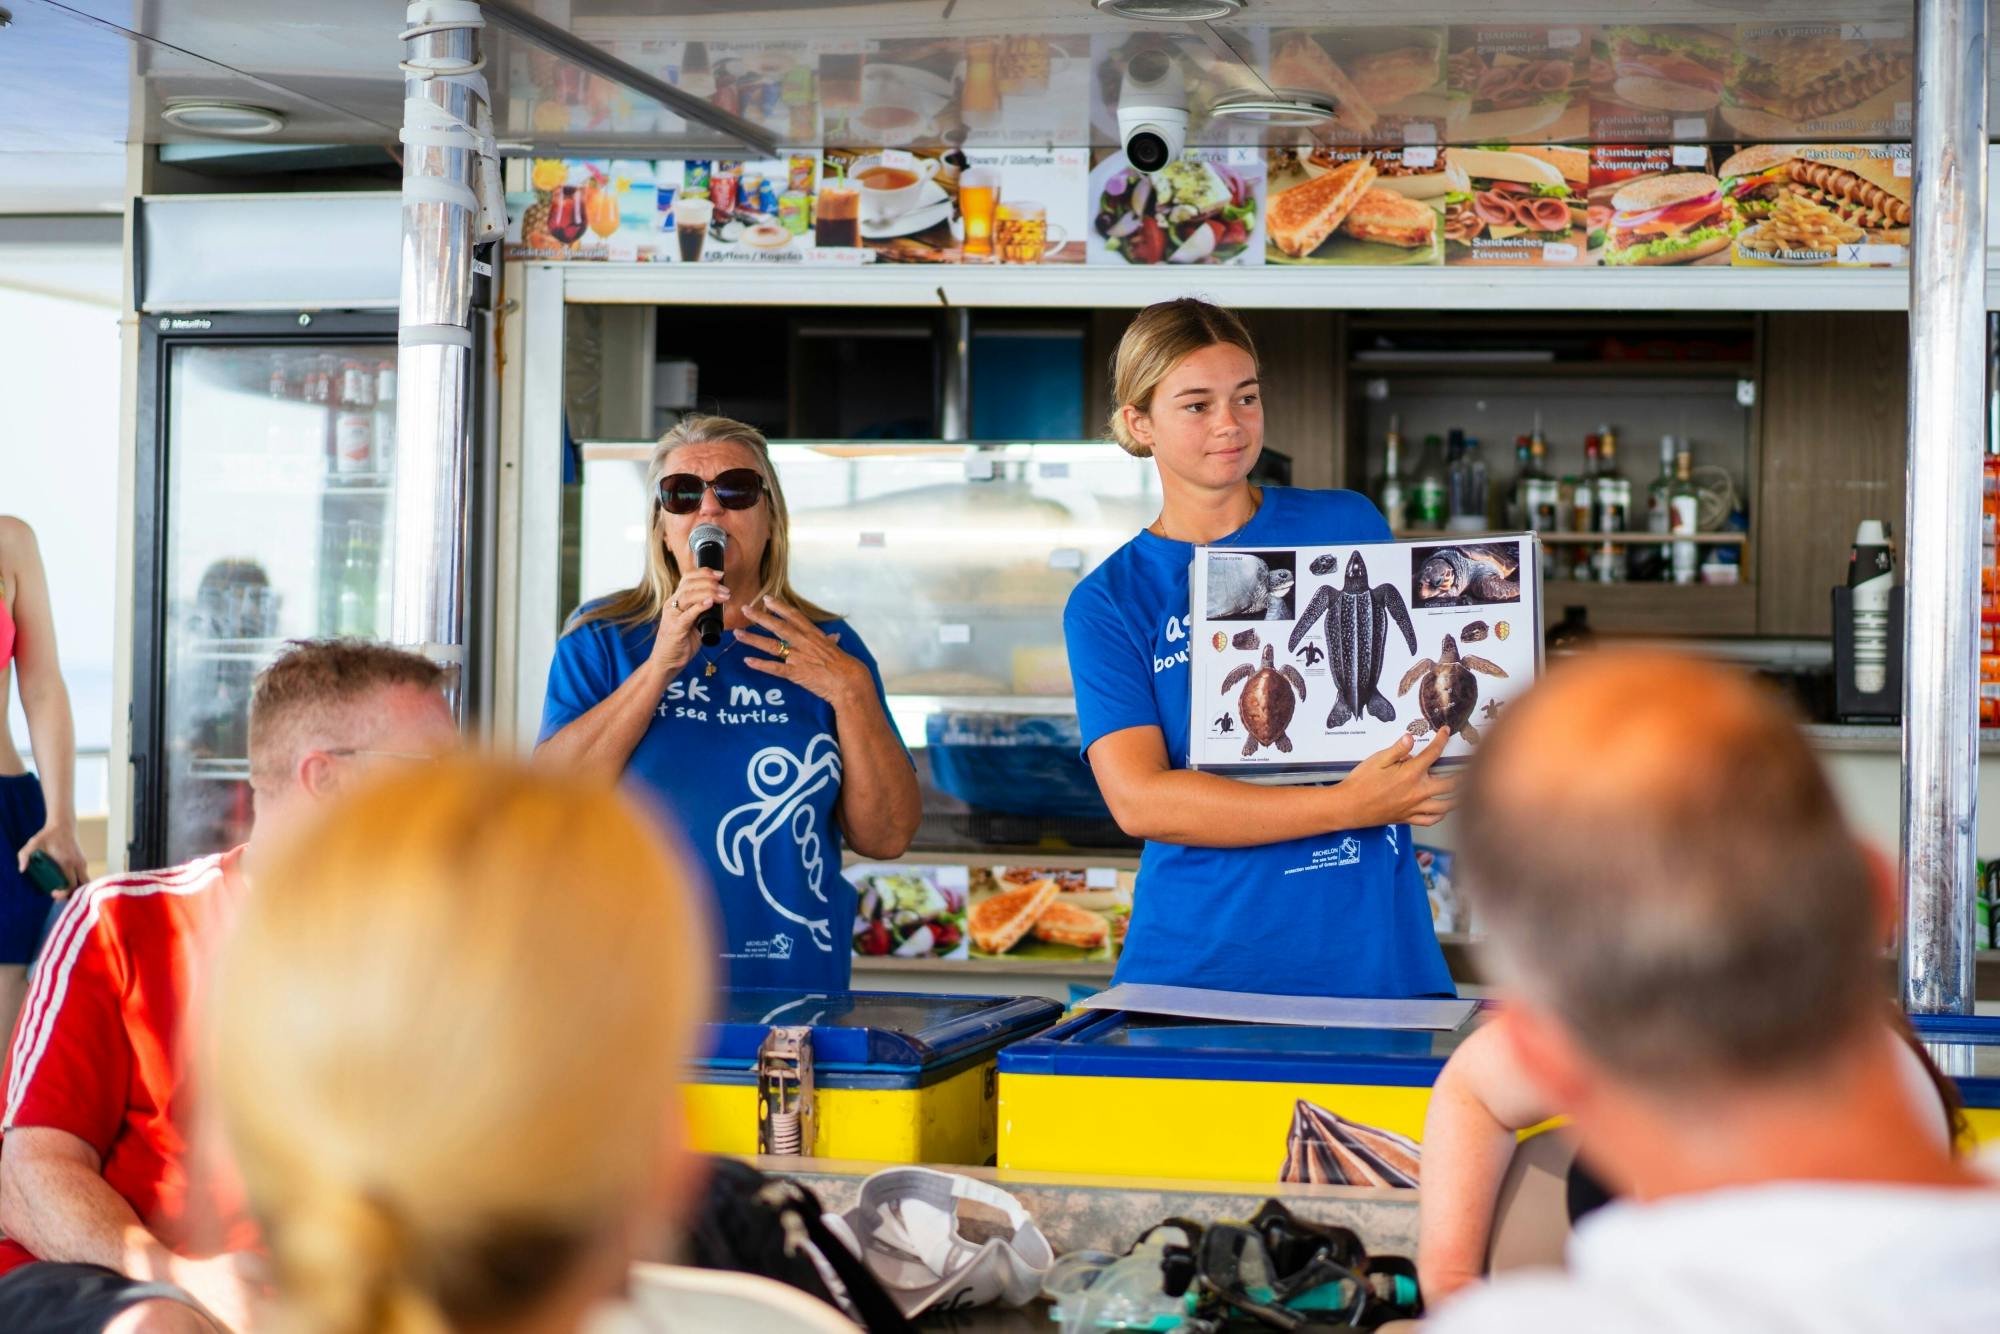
(709, 670)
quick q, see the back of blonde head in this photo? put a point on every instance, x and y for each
(446, 1039)
(1159, 338)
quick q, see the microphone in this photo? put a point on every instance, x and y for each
(707, 542)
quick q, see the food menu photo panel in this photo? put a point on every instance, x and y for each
(1026, 912)
(1025, 205)
(909, 912)
(1659, 81)
(1522, 207)
(895, 204)
(595, 209)
(1656, 204)
(1359, 206)
(1308, 660)
(1821, 205)
(1396, 76)
(1820, 80)
(1205, 208)
(1523, 83)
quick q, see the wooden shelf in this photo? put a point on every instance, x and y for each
(1641, 539)
(1559, 370)
(1655, 609)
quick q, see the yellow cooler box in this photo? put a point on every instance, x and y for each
(1141, 1095)
(863, 1075)
(1193, 1099)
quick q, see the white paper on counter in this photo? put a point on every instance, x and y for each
(1243, 1007)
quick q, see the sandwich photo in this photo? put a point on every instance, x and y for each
(1520, 86)
(1667, 67)
(1393, 219)
(1299, 64)
(1522, 206)
(1676, 218)
(1855, 183)
(1038, 912)
(1398, 73)
(1302, 215)
(1805, 78)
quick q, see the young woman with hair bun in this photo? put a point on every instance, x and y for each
(1242, 887)
(445, 1046)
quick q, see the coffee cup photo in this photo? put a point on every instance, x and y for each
(889, 190)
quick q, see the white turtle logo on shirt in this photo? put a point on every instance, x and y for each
(782, 786)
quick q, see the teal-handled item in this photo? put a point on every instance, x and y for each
(45, 875)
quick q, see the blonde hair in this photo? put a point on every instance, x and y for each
(446, 1039)
(299, 694)
(1159, 338)
(642, 603)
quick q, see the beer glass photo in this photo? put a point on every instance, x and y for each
(1021, 233)
(978, 196)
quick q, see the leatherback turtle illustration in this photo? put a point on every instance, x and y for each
(1243, 584)
(1446, 690)
(1311, 655)
(1454, 577)
(1267, 702)
(1357, 630)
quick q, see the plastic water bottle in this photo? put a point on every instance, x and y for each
(1871, 574)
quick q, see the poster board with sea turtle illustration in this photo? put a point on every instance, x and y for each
(1306, 660)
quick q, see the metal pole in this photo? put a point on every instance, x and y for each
(1941, 528)
(955, 417)
(444, 157)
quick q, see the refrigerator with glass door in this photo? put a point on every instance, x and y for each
(266, 504)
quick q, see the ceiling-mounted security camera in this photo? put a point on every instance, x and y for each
(1153, 110)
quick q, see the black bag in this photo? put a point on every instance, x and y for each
(753, 1224)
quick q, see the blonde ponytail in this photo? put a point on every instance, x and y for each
(344, 1264)
(445, 1043)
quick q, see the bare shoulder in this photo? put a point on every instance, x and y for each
(17, 541)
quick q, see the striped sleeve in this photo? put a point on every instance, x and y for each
(69, 1064)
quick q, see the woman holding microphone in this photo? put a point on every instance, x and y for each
(768, 748)
(1242, 887)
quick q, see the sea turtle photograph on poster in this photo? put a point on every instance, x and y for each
(1355, 647)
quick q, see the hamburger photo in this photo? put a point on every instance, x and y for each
(1669, 219)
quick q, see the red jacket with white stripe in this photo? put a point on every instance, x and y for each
(100, 1047)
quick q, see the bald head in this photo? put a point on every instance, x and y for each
(1662, 864)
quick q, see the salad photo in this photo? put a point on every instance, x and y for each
(910, 912)
(1197, 210)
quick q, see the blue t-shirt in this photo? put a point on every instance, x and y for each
(748, 765)
(1341, 914)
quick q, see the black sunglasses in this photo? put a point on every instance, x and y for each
(735, 489)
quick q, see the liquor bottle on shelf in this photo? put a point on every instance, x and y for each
(354, 420)
(1652, 562)
(1612, 510)
(1428, 511)
(385, 415)
(355, 600)
(1468, 489)
(1517, 513)
(1389, 495)
(1583, 512)
(1539, 497)
(1684, 509)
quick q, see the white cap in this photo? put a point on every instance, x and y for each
(1869, 533)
